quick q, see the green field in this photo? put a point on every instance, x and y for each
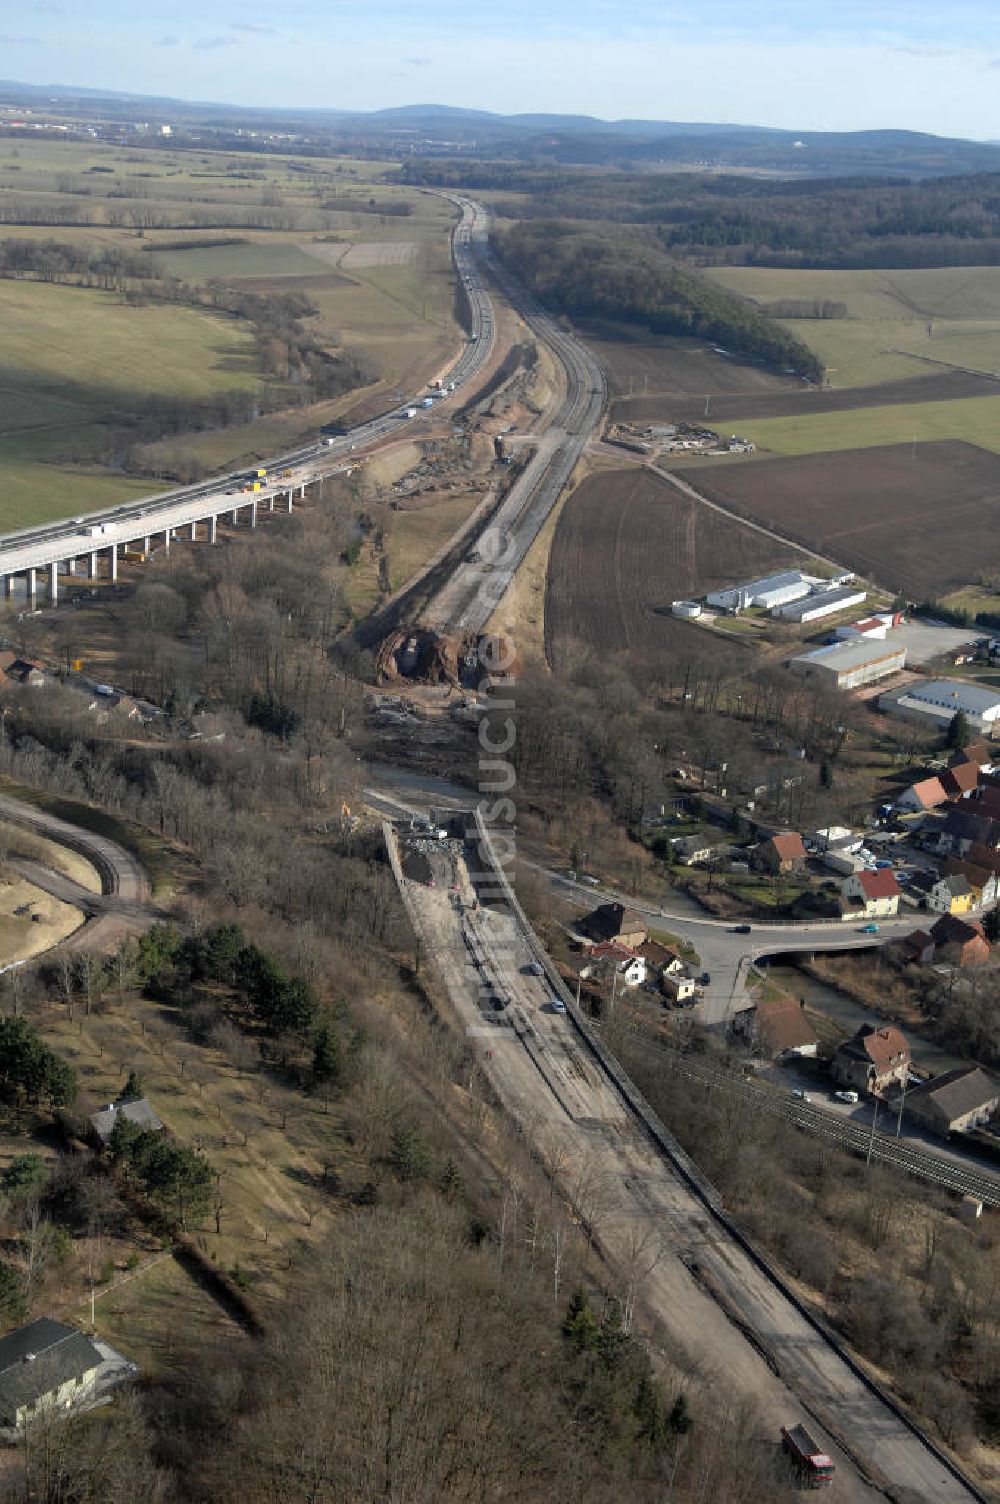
(72, 358)
(975, 419)
(897, 321)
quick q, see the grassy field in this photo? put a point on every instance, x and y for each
(949, 314)
(416, 536)
(70, 358)
(976, 420)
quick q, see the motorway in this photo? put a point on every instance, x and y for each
(51, 544)
(469, 598)
(670, 1246)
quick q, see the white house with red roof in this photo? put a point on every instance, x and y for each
(870, 895)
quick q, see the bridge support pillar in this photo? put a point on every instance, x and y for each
(166, 540)
(91, 566)
(213, 529)
(8, 587)
(146, 545)
(54, 584)
(253, 514)
(234, 517)
(302, 491)
(194, 532)
(288, 499)
(270, 502)
(32, 588)
(113, 562)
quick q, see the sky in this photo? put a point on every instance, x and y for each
(843, 65)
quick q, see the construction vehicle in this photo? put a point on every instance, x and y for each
(814, 1465)
(135, 556)
(258, 472)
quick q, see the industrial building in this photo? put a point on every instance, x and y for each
(773, 590)
(849, 665)
(822, 603)
(935, 702)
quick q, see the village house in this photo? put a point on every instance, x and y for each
(870, 895)
(138, 1112)
(872, 1060)
(985, 883)
(961, 942)
(955, 1101)
(978, 756)
(962, 827)
(918, 947)
(606, 958)
(961, 781)
(677, 987)
(18, 670)
(661, 959)
(44, 1365)
(777, 1027)
(613, 921)
(951, 894)
(921, 796)
(780, 853)
(687, 851)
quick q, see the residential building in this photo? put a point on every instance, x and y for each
(607, 957)
(935, 702)
(961, 781)
(870, 895)
(927, 794)
(821, 603)
(951, 894)
(44, 1365)
(689, 850)
(960, 942)
(919, 886)
(955, 1101)
(778, 1027)
(985, 884)
(963, 828)
(613, 921)
(918, 947)
(773, 590)
(983, 856)
(661, 958)
(677, 988)
(849, 665)
(20, 670)
(978, 755)
(780, 853)
(872, 1060)
(138, 1112)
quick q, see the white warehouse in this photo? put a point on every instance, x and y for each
(849, 665)
(937, 701)
(822, 603)
(773, 590)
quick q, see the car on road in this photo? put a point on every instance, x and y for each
(869, 929)
(741, 929)
(557, 1005)
(590, 880)
(845, 1096)
(533, 969)
(799, 1094)
(704, 979)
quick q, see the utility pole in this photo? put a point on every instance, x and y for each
(871, 1136)
(902, 1100)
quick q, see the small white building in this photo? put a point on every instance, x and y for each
(687, 610)
(677, 986)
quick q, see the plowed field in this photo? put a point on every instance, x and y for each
(920, 519)
(714, 408)
(627, 544)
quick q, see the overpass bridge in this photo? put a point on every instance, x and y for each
(98, 540)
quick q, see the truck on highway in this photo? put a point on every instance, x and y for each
(427, 402)
(411, 412)
(815, 1467)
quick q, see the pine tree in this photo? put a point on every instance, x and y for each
(959, 731)
(579, 1327)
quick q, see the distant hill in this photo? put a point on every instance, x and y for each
(542, 137)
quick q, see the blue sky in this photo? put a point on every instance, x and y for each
(843, 65)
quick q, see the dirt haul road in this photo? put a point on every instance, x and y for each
(673, 1257)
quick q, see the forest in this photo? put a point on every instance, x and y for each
(795, 222)
(622, 273)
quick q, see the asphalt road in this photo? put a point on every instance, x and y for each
(38, 546)
(672, 1257)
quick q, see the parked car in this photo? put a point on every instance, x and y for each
(799, 1094)
(869, 929)
(705, 978)
(845, 1096)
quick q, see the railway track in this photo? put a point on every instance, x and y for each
(884, 1148)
